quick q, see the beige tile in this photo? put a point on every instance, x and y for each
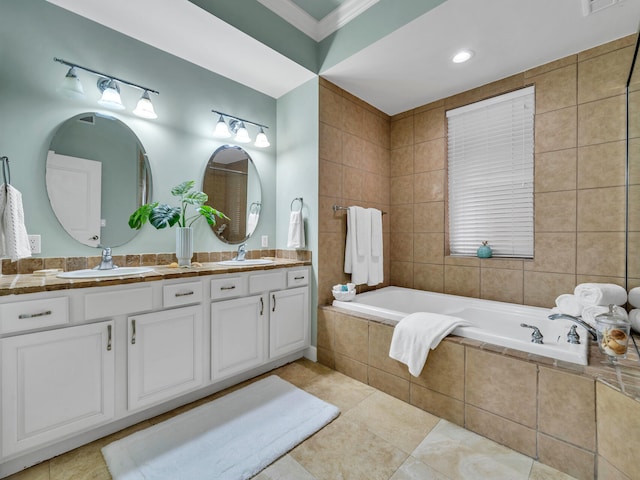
(402, 161)
(326, 357)
(339, 390)
(542, 289)
(501, 285)
(464, 98)
(326, 328)
(331, 108)
(430, 155)
(554, 252)
(462, 261)
(379, 343)
(351, 368)
(461, 454)
(428, 277)
(437, 404)
(401, 247)
(401, 132)
(401, 190)
(547, 67)
(402, 425)
(39, 472)
(566, 407)
(556, 130)
(385, 382)
(568, 459)
(556, 89)
(623, 42)
(352, 184)
(353, 151)
(330, 221)
(503, 85)
(601, 165)
(402, 274)
(501, 385)
(330, 179)
(608, 471)
(555, 211)
(618, 429)
(604, 76)
(601, 253)
(540, 471)
(634, 259)
(463, 281)
(429, 186)
(601, 209)
(353, 115)
(330, 453)
(330, 143)
(444, 370)
(429, 125)
(428, 248)
(507, 263)
(284, 468)
(352, 337)
(505, 432)
(401, 218)
(413, 469)
(555, 171)
(634, 214)
(429, 217)
(602, 121)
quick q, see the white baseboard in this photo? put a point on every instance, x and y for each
(311, 353)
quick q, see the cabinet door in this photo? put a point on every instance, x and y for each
(165, 355)
(289, 321)
(237, 335)
(55, 383)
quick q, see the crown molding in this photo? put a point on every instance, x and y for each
(342, 15)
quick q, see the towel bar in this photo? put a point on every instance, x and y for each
(338, 207)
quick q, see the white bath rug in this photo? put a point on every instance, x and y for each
(232, 437)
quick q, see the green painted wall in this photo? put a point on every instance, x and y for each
(178, 143)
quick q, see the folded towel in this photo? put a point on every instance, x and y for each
(14, 241)
(363, 232)
(354, 263)
(417, 333)
(600, 294)
(295, 238)
(634, 318)
(376, 261)
(568, 304)
(634, 297)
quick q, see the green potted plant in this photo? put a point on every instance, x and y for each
(162, 215)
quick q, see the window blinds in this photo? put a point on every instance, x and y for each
(490, 175)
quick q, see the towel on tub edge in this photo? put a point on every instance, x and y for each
(418, 333)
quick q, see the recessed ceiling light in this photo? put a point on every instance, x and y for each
(462, 56)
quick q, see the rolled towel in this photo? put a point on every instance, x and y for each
(569, 305)
(589, 314)
(634, 297)
(600, 294)
(634, 318)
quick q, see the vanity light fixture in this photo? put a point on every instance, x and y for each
(109, 86)
(462, 56)
(236, 126)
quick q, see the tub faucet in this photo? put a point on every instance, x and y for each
(106, 263)
(578, 320)
(242, 251)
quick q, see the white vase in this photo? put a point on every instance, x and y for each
(184, 246)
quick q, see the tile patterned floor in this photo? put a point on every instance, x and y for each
(376, 437)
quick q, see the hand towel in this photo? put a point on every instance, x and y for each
(568, 304)
(376, 261)
(418, 333)
(634, 297)
(295, 238)
(14, 242)
(354, 263)
(252, 222)
(634, 318)
(600, 294)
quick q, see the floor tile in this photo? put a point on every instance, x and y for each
(286, 468)
(339, 390)
(39, 472)
(399, 423)
(540, 471)
(461, 454)
(413, 469)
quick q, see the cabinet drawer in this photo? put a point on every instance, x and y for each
(45, 312)
(117, 302)
(264, 282)
(228, 287)
(297, 278)
(181, 294)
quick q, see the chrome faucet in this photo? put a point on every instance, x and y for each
(106, 263)
(242, 251)
(579, 321)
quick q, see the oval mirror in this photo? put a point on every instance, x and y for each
(232, 183)
(97, 173)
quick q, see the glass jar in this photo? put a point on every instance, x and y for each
(613, 331)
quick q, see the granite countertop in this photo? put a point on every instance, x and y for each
(29, 283)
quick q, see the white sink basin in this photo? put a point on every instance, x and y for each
(248, 262)
(116, 272)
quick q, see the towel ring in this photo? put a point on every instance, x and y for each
(299, 199)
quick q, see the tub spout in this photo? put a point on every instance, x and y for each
(578, 320)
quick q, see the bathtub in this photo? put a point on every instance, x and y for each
(492, 322)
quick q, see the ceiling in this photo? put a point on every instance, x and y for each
(403, 70)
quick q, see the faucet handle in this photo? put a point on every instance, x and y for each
(573, 336)
(536, 335)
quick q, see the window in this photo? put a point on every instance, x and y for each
(490, 168)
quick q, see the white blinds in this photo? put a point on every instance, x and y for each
(491, 175)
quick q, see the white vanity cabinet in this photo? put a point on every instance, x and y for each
(288, 321)
(165, 354)
(56, 383)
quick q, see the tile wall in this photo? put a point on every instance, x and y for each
(579, 183)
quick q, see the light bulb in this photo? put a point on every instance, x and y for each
(242, 135)
(462, 56)
(145, 108)
(71, 87)
(261, 139)
(110, 95)
(221, 130)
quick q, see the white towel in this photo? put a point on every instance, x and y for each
(295, 239)
(376, 262)
(354, 263)
(590, 313)
(418, 333)
(568, 304)
(252, 222)
(600, 294)
(634, 297)
(634, 318)
(14, 242)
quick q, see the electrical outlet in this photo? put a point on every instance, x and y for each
(35, 243)
(265, 240)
